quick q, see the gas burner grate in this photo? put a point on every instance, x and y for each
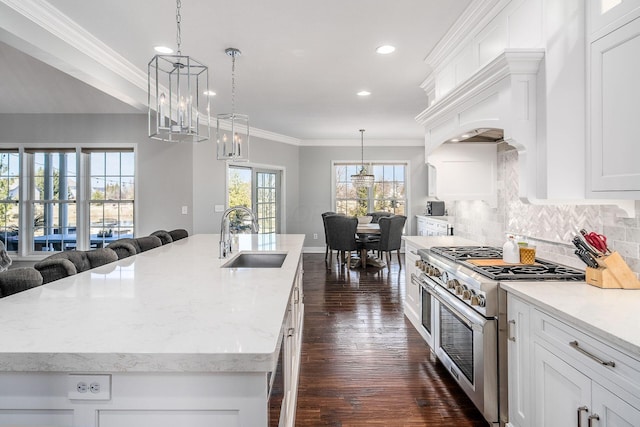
(541, 270)
(460, 253)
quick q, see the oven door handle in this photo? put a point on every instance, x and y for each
(467, 315)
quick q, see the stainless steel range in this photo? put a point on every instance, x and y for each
(464, 316)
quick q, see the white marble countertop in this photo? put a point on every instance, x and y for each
(170, 309)
(608, 314)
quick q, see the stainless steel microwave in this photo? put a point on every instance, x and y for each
(435, 208)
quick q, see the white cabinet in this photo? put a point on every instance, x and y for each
(613, 169)
(292, 346)
(432, 226)
(560, 375)
(412, 299)
(565, 396)
(518, 348)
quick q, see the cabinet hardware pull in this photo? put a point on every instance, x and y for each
(290, 332)
(575, 345)
(511, 337)
(580, 409)
(593, 417)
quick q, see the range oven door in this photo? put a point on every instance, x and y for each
(428, 317)
(427, 313)
(467, 346)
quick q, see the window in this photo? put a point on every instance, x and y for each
(112, 195)
(388, 193)
(66, 198)
(53, 200)
(9, 198)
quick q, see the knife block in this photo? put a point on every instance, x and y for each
(613, 273)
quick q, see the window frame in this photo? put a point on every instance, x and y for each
(83, 185)
(369, 166)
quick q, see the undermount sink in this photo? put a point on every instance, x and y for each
(256, 260)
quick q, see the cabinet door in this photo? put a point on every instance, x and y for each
(560, 390)
(615, 91)
(611, 410)
(413, 292)
(518, 350)
(422, 226)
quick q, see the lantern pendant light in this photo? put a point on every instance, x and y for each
(362, 179)
(233, 128)
(178, 106)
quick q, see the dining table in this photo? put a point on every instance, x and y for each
(364, 231)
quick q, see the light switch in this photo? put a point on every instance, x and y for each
(185, 210)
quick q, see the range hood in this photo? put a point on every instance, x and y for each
(497, 103)
(506, 101)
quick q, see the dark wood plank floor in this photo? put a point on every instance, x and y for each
(363, 363)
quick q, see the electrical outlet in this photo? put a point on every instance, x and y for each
(315, 235)
(89, 387)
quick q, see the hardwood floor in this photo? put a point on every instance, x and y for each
(363, 363)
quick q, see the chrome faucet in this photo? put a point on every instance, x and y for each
(225, 231)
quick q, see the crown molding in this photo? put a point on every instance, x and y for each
(368, 143)
(474, 18)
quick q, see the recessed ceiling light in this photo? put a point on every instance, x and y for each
(209, 93)
(385, 49)
(364, 93)
(163, 49)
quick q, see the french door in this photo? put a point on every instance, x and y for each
(258, 189)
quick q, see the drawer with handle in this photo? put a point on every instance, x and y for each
(612, 367)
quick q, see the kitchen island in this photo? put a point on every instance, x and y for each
(167, 337)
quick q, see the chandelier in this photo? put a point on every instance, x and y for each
(175, 85)
(362, 179)
(233, 128)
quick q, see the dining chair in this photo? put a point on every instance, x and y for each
(390, 237)
(375, 216)
(341, 235)
(326, 239)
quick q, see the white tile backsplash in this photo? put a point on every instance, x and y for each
(550, 227)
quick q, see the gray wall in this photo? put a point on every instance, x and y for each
(315, 184)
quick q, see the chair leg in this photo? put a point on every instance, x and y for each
(388, 254)
(348, 260)
(399, 260)
(326, 252)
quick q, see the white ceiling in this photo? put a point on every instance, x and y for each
(302, 61)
